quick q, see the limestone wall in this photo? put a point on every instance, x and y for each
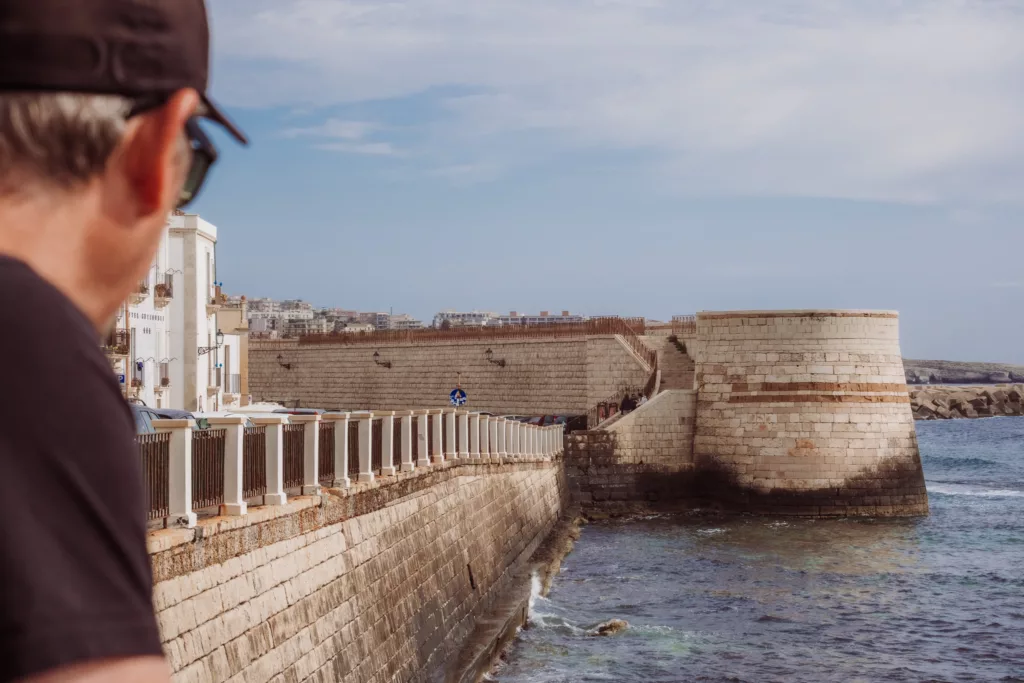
(550, 376)
(383, 583)
(807, 412)
(643, 455)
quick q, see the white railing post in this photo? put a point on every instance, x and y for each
(341, 455)
(234, 453)
(423, 419)
(514, 443)
(450, 426)
(365, 447)
(474, 436)
(485, 435)
(531, 440)
(387, 442)
(505, 438)
(463, 420)
(437, 448)
(179, 484)
(310, 452)
(408, 463)
(275, 494)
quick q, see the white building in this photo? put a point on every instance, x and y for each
(465, 319)
(544, 318)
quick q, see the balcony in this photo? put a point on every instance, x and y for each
(140, 293)
(217, 301)
(118, 343)
(165, 378)
(163, 292)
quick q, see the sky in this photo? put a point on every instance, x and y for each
(631, 157)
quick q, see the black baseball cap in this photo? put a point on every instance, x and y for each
(145, 49)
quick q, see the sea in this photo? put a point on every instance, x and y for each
(759, 599)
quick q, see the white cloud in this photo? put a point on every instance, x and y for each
(370, 148)
(906, 100)
(333, 128)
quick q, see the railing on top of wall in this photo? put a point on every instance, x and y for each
(607, 325)
(237, 466)
(684, 324)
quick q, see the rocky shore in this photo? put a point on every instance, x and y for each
(955, 372)
(936, 402)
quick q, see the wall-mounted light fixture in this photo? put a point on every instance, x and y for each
(203, 350)
(378, 361)
(490, 359)
(286, 366)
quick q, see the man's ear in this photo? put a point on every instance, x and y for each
(151, 154)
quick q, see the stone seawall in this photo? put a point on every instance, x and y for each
(948, 402)
(640, 457)
(383, 582)
(531, 377)
(806, 412)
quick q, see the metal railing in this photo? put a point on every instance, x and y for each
(164, 287)
(595, 326)
(208, 467)
(444, 432)
(325, 455)
(353, 450)
(165, 374)
(602, 410)
(684, 324)
(118, 342)
(155, 452)
(458, 430)
(254, 462)
(294, 444)
(430, 433)
(396, 441)
(376, 446)
(415, 439)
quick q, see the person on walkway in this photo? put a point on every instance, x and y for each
(99, 141)
(643, 400)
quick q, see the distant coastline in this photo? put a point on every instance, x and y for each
(939, 372)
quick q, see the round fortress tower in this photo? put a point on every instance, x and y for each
(806, 412)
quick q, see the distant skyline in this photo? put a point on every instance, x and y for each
(634, 157)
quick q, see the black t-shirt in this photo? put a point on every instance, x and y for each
(75, 578)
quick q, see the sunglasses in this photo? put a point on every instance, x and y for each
(203, 153)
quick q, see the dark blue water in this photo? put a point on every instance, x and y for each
(755, 599)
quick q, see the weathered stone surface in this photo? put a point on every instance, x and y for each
(382, 583)
(551, 376)
(805, 412)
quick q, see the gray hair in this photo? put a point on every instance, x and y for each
(58, 140)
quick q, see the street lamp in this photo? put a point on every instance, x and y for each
(203, 350)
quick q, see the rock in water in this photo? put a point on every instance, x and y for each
(610, 627)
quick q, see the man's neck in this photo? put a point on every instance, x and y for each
(47, 240)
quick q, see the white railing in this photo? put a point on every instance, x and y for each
(377, 445)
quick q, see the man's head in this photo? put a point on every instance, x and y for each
(99, 136)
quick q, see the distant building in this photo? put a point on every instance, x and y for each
(350, 328)
(543, 318)
(465, 319)
(405, 321)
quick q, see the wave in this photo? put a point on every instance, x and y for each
(710, 532)
(961, 490)
(949, 461)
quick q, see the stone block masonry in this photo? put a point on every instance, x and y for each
(383, 582)
(806, 412)
(546, 376)
(642, 456)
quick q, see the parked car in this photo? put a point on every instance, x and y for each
(301, 411)
(144, 418)
(203, 417)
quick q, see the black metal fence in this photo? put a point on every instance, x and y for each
(208, 467)
(376, 447)
(294, 444)
(353, 450)
(254, 462)
(396, 442)
(415, 438)
(325, 455)
(155, 451)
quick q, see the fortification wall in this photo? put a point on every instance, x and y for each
(549, 376)
(646, 455)
(806, 412)
(383, 583)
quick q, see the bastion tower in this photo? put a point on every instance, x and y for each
(807, 412)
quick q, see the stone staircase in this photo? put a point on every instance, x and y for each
(677, 368)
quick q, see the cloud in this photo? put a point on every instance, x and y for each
(371, 148)
(900, 100)
(334, 128)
